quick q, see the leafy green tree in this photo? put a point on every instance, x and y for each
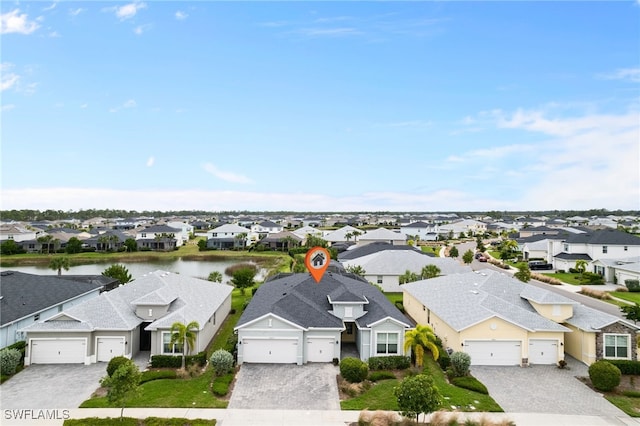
(356, 269)
(467, 257)
(184, 336)
(454, 252)
(119, 272)
(631, 312)
(74, 245)
(215, 276)
(131, 244)
(524, 273)
(420, 339)
(408, 277)
(241, 240)
(243, 278)
(507, 249)
(46, 241)
(58, 263)
(202, 245)
(122, 384)
(429, 271)
(313, 241)
(416, 395)
(581, 266)
(10, 247)
(290, 241)
(480, 245)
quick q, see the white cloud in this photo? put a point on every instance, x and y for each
(328, 32)
(53, 6)
(54, 34)
(8, 107)
(76, 12)
(226, 176)
(141, 29)
(130, 10)
(9, 79)
(151, 161)
(15, 22)
(632, 74)
(181, 16)
(131, 103)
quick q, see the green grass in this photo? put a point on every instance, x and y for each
(566, 277)
(394, 297)
(380, 396)
(629, 405)
(226, 329)
(130, 421)
(631, 297)
(169, 393)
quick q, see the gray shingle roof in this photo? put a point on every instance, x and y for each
(589, 319)
(463, 300)
(395, 262)
(573, 256)
(300, 300)
(26, 294)
(605, 236)
(371, 248)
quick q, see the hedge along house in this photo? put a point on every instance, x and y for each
(499, 320)
(133, 318)
(294, 320)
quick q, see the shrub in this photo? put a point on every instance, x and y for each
(354, 370)
(175, 361)
(150, 375)
(400, 306)
(395, 362)
(9, 361)
(222, 362)
(460, 363)
(631, 393)
(115, 363)
(471, 383)
(444, 360)
(381, 375)
(545, 278)
(591, 278)
(627, 367)
(604, 375)
(220, 386)
(20, 346)
(632, 285)
(596, 294)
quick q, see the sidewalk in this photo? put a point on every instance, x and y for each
(315, 418)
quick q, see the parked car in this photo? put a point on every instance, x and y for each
(482, 259)
(479, 255)
(539, 265)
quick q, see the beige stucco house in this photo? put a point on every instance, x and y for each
(499, 320)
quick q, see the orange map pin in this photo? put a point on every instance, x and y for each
(317, 260)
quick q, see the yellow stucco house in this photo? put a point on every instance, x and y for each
(499, 320)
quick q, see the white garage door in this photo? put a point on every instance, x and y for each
(320, 349)
(543, 352)
(109, 347)
(271, 351)
(58, 351)
(494, 352)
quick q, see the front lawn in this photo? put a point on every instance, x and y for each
(624, 295)
(380, 396)
(394, 297)
(565, 277)
(629, 405)
(130, 421)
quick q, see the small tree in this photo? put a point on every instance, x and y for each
(202, 245)
(416, 395)
(429, 271)
(58, 263)
(74, 245)
(420, 339)
(122, 384)
(356, 269)
(119, 272)
(408, 277)
(215, 276)
(131, 244)
(460, 363)
(9, 360)
(222, 362)
(581, 266)
(631, 312)
(524, 273)
(243, 278)
(10, 247)
(454, 252)
(467, 257)
(184, 336)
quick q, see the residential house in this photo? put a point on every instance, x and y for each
(464, 226)
(422, 230)
(294, 320)
(129, 319)
(382, 235)
(281, 241)
(385, 267)
(265, 228)
(498, 320)
(343, 235)
(228, 237)
(110, 240)
(159, 238)
(28, 298)
(185, 228)
(617, 271)
(302, 232)
(17, 233)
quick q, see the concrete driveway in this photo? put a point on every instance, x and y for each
(61, 386)
(286, 387)
(544, 389)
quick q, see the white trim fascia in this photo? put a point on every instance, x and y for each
(267, 315)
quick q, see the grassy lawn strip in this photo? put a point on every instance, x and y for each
(629, 405)
(130, 421)
(566, 277)
(631, 297)
(380, 396)
(394, 297)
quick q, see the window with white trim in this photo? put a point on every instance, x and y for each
(617, 346)
(168, 347)
(387, 343)
(605, 249)
(379, 279)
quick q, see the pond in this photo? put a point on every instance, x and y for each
(191, 268)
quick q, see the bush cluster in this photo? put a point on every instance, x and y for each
(632, 285)
(9, 361)
(20, 346)
(604, 375)
(395, 362)
(381, 375)
(545, 278)
(115, 363)
(150, 375)
(400, 306)
(222, 362)
(443, 359)
(353, 370)
(628, 367)
(460, 363)
(471, 383)
(175, 361)
(591, 278)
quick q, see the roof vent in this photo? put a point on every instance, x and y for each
(474, 291)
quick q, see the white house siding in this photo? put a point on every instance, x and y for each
(389, 282)
(271, 327)
(357, 311)
(9, 333)
(363, 340)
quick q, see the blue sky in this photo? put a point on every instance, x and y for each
(320, 106)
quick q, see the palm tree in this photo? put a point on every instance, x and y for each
(429, 271)
(348, 236)
(184, 336)
(356, 234)
(420, 338)
(289, 240)
(59, 262)
(581, 265)
(241, 239)
(215, 276)
(45, 240)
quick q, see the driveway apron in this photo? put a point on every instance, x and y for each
(61, 386)
(544, 389)
(286, 387)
